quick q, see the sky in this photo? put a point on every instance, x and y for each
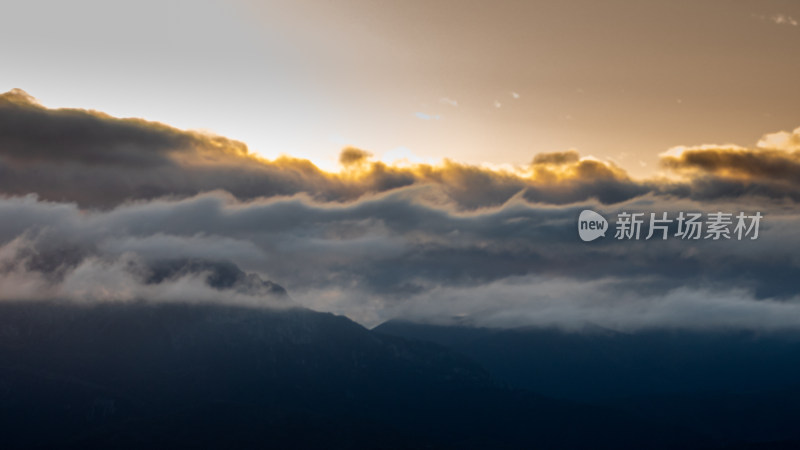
(201, 152)
(491, 83)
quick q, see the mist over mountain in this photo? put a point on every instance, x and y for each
(91, 204)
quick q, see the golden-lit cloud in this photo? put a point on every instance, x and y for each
(98, 160)
(352, 156)
(556, 158)
(771, 168)
(782, 140)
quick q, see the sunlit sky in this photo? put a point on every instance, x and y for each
(478, 82)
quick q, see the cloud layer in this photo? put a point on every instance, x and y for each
(394, 255)
(101, 161)
(771, 170)
(105, 209)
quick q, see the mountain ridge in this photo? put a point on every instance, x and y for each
(138, 374)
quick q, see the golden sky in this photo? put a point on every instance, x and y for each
(476, 82)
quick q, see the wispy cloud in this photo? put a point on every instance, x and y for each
(424, 116)
(783, 19)
(779, 19)
(448, 101)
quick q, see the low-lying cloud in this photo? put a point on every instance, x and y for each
(96, 208)
(391, 254)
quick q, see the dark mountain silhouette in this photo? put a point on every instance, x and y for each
(142, 375)
(733, 386)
